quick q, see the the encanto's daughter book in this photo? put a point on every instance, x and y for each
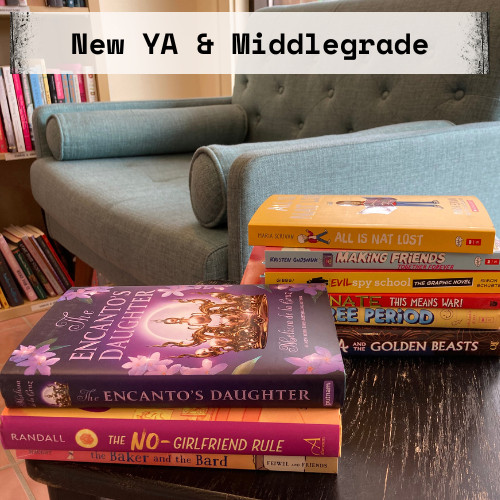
(193, 345)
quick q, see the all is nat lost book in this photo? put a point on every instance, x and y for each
(414, 223)
(193, 345)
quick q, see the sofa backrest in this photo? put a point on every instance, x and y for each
(283, 107)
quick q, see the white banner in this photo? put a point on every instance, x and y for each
(257, 43)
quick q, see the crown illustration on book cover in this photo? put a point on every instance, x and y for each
(185, 344)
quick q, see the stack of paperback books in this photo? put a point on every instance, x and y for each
(228, 376)
(30, 267)
(405, 274)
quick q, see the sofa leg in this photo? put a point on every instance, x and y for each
(83, 273)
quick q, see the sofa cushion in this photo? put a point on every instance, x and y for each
(130, 218)
(141, 132)
(211, 164)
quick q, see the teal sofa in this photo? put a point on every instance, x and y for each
(161, 192)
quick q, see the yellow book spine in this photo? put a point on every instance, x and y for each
(208, 461)
(3, 300)
(360, 281)
(372, 238)
(46, 88)
(481, 319)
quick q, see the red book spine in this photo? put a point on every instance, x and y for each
(58, 260)
(81, 87)
(16, 270)
(436, 301)
(4, 148)
(18, 87)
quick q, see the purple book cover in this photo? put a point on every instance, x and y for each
(192, 345)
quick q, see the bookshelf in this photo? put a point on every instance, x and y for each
(27, 308)
(17, 205)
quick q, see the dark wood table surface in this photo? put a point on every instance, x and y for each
(414, 428)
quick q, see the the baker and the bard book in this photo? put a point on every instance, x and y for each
(192, 345)
(399, 222)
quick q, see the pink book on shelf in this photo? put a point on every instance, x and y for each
(14, 109)
(18, 87)
(4, 148)
(5, 116)
(81, 87)
(59, 86)
(16, 269)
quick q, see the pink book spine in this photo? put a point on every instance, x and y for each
(18, 87)
(4, 148)
(166, 436)
(59, 86)
(81, 87)
(16, 269)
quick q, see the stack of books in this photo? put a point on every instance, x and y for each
(226, 376)
(30, 267)
(405, 274)
(20, 94)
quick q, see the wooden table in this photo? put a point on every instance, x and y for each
(414, 428)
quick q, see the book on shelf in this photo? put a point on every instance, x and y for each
(37, 66)
(325, 465)
(402, 222)
(114, 346)
(4, 146)
(16, 270)
(13, 109)
(28, 271)
(37, 89)
(23, 114)
(485, 319)
(305, 258)
(381, 340)
(90, 84)
(7, 120)
(53, 257)
(247, 431)
(55, 3)
(42, 279)
(17, 235)
(379, 281)
(51, 80)
(3, 300)
(30, 106)
(8, 285)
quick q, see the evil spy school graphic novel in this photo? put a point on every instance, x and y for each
(179, 346)
(400, 222)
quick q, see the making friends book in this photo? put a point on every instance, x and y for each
(192, 345)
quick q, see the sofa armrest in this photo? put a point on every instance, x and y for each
(42, 113)
(210, 165)
(456, 160)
